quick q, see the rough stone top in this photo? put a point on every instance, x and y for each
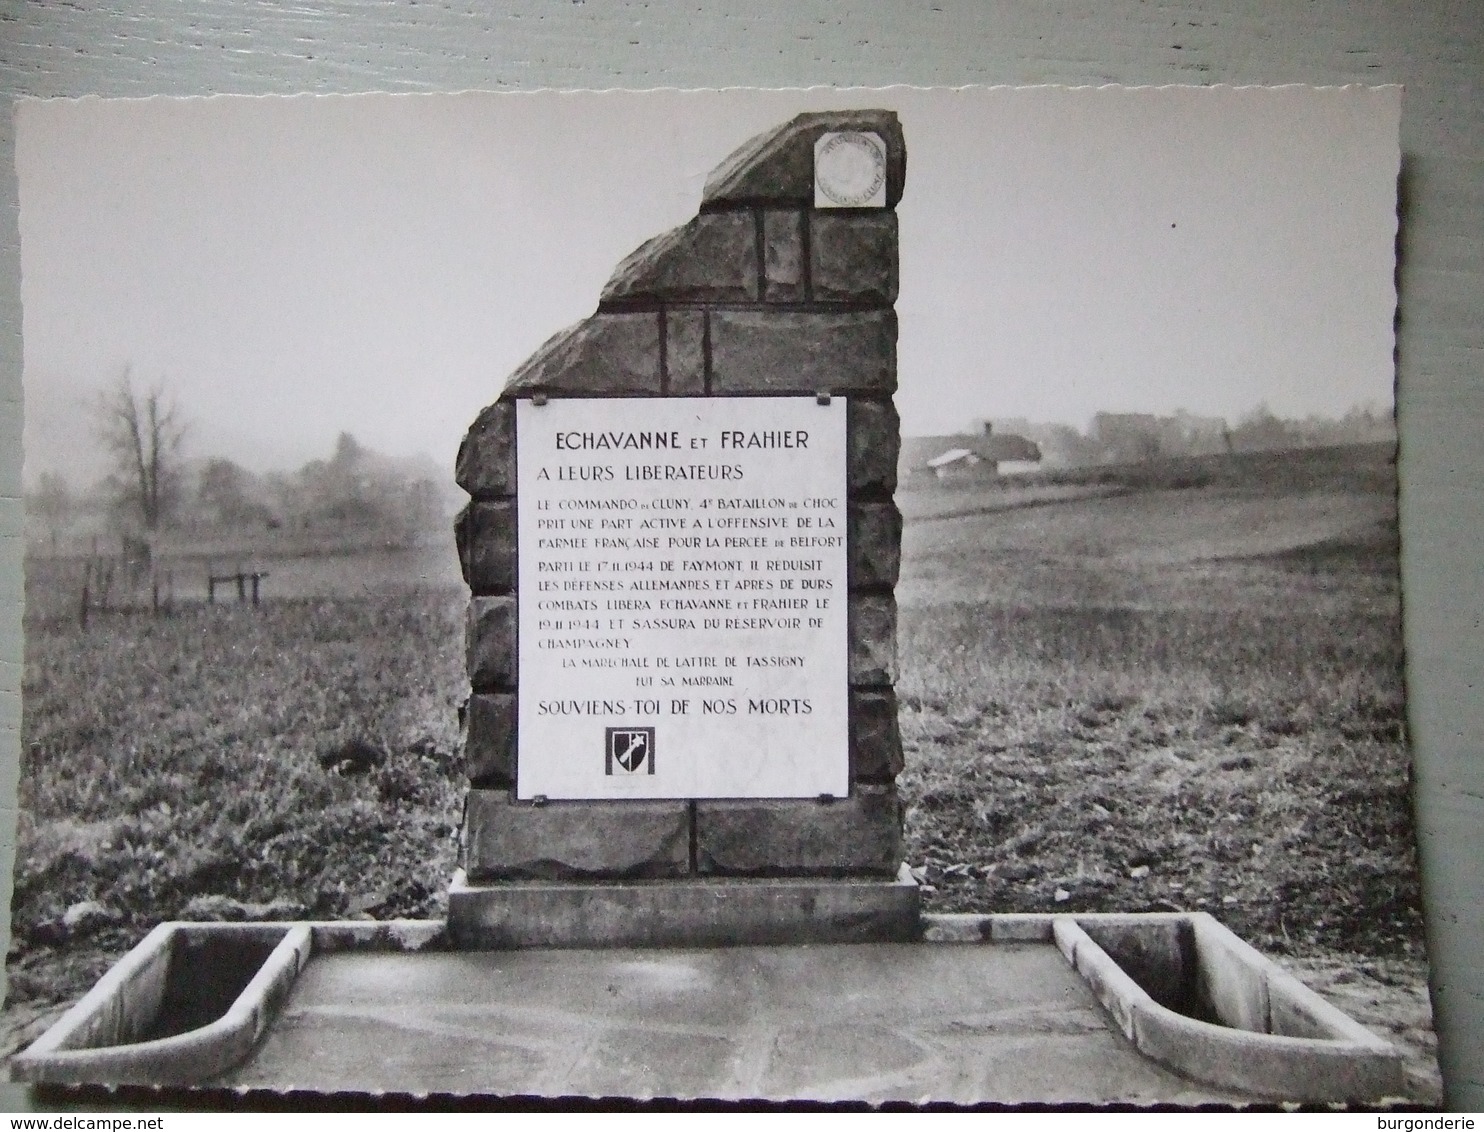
(778, 166)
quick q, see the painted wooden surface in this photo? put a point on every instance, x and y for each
(1436, 49)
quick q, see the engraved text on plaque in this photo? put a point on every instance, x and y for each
(682, 598)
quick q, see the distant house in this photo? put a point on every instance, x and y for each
(955, 459)
(966, 456)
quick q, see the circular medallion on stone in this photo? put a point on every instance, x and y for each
(849, 171)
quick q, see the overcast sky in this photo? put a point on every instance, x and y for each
(293, 267)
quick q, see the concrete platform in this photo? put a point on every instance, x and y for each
(1011, 1022)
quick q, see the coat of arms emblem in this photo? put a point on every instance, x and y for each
(630, 750)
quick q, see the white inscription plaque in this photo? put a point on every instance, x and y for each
(682, 598)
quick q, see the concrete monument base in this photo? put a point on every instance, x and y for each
(1093, 1008)
(681, 913)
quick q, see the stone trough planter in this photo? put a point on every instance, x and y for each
(1193, 996)
(189, 1002)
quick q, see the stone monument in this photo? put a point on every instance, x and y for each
(682, 548)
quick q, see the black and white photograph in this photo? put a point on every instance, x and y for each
(821, 595)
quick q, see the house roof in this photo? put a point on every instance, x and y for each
(934, 451)
(949, 457)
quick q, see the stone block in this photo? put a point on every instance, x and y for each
(506, 839)
(685, 352)
(485, 467)
(873, 437)
(853, 257)
(793, 352)
(856, 836)
(875, 738)
(490, 642)
(603, 354)
(485, 534)
(873, 639)
(874, 542)
(783, 255)
(489, 739)
(711, 259)
(710, 912)
(777, 167)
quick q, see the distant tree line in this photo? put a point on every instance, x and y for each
(153, 489)
(1127, 438)
(355, 488)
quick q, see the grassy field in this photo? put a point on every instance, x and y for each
(1183, 698)
(1171, 686)
(304, 753)
(295, 568)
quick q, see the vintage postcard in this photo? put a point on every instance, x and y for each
(814, 595)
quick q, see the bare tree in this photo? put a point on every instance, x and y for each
(144, 432)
